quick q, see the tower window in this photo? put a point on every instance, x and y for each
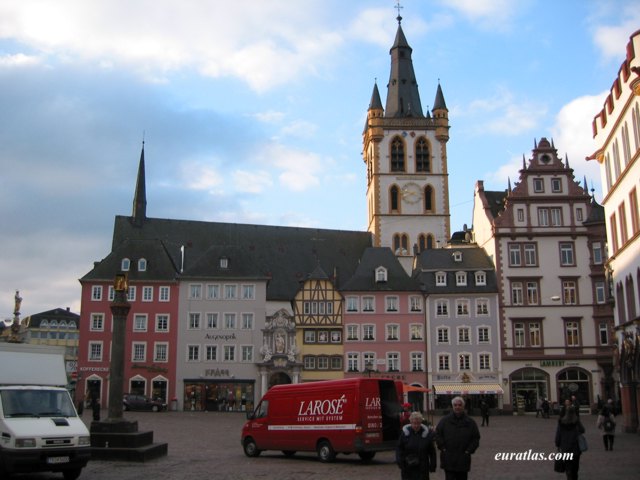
(423, 161)
(394, 195)
(428, 198)
(397, 155)
(400, 244)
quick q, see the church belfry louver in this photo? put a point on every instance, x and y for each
(406, 159)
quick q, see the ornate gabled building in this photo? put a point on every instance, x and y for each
(616, 130)
(555, 339)
(405, 153)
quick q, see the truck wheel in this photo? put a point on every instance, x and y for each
(71, 474)
(250, 448)
(289, 453)
(366, 456)
(325, 451)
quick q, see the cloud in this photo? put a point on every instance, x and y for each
(612, 40)
(200, 175)
(252, 182)
(297, 170)
(486, 13)
(18, 60)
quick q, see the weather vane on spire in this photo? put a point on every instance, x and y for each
(398, 7)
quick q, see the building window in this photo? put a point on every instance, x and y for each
(394, 199)
(423, 159)
(518, 335)
(224, 263)
(397, 155)
(213, 292)
(633, 210)
(532, 293)
(461, 279)
(392, 304)
(195, 292)
(352, 332)
(462, 308)
(443, 363)
(230, 292)
(483, 335)
(193, 353)
(147, 294)
(603, 330)
(368, 332)
(464, 361)
(352, 304)
(125, 265)
(248, 292)
(441, 279)
(429, 201)
(417, 363)
(463, 335)
(416, 331)
(160, 352)
(96, 293)
(368, 304)
(538, 185)
(572, 332)
(484, 361)
(164, 294)
(530, 255)
(514, 255)
(139, 323)
(162, 323)
(520, 214)
(401, 244)
(482, 307)
(517, 293)
(142, 265)
(600, 292)
(97, 322)
(443, 335)
(211, 353)
(579, 214)
(481, 279)
(247, 353)
(353, 362)
(212, 320)
(392, 332)
(442, 308)
(596, 250)
(569, 292)
(566, 254)
(534, 334)
(622, 214)
(543, 217)
(415, 303)
(323, 363)
(381, 274)
(309, 336)
(229, 353)
(247, 321)
(309, 362)
(230, 321)
(138, 352)
(194, 321)
(393, 362)
(556, 185)
(95, 351)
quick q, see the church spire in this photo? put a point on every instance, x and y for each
(403, 99)
(140, 197)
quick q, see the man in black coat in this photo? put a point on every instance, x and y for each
(457, 437)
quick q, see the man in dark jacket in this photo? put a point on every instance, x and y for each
(416, 452)
(457, 436)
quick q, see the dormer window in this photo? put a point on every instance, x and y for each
(457, 256)
(381, 274)
(461, 279)
(481, 278)
(142, 265)
(441, 279)
(224, 262)
(125, 265)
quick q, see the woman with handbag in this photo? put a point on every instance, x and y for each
(416, 451)
(567, 441)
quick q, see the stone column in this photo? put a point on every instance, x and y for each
(120, 310)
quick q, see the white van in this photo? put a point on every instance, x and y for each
(40, 430)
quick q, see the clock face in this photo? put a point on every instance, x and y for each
(411, 193)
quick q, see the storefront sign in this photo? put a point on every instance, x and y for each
(229, 336)
(216, 372)
(552, 363)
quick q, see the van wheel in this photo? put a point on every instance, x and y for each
(71, 474)
(366, 456)
(289, 453)
(250, 448)
(325, 451)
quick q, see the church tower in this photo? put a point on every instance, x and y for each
(405, 152)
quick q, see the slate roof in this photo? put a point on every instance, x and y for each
(33, 321)
(496, 200)
(364, 277)
(442, 260)
(284, 255)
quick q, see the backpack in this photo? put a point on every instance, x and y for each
(609, 425)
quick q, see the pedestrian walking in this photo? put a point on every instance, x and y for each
(545, 408)
(484, 411)
(94, 400)
(567, 433)
(416, 451)
(539, 407)
(607, 423)
(457, 437)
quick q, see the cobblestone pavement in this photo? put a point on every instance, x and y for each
(207, 445)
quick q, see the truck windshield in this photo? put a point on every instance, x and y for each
(36, 403)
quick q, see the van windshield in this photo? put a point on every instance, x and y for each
(36, 403)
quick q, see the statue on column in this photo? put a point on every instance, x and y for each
(17, 303)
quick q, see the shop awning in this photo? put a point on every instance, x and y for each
(468, 389)
(413, 388)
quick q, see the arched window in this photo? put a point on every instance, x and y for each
(397, 155)
(428, 199)
(125, 265)
(142, 265)
(425, 242)
(401, 244)
(423, 159)
(394, 199)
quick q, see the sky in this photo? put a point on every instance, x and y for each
(252, 111)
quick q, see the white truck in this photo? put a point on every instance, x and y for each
(40, 430)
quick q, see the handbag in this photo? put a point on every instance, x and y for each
(412, 460)
(559, 466)
(582, 443)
